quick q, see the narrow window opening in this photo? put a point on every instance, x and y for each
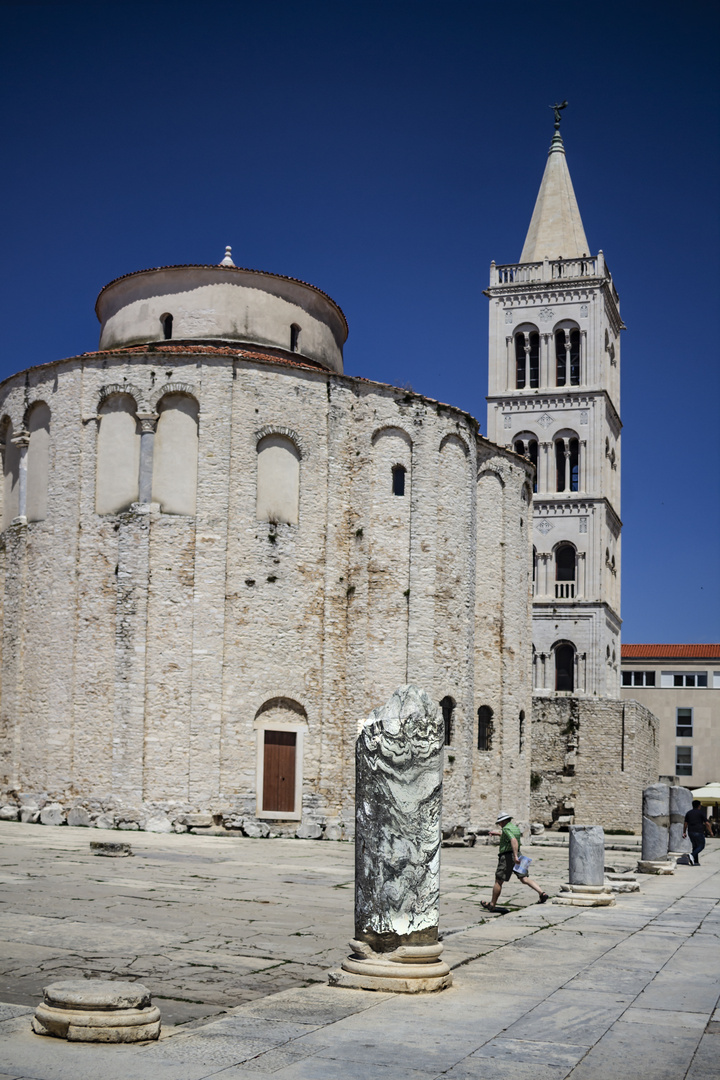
(398, 480)
(574, 357)
(560, 358)
(564, 668)
(574, 465)
(683, 761)
(448, 705)
(533, 455)
(534, 361)
(684, 724)
(560, 464)
(534, 569)
(565, 572)
(294, 337)
(520, 361)
(167, 325)
(521, 731)
(485, 727)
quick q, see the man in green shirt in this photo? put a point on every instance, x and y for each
(508, 861)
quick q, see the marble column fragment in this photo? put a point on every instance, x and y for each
(655, 822)
(587, 855)
(398, 805)
(680, 803)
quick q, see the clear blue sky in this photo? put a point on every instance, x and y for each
(387, 152)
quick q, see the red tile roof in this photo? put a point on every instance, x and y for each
(670, 652)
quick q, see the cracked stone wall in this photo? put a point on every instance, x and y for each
(139, 648)
(591, 760)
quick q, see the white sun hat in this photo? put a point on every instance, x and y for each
(502, 817)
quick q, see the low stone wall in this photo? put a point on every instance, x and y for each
(591, 760)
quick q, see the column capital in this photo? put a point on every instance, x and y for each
(22, 439)
(148, 421)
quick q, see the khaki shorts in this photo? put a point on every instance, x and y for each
(506, 863)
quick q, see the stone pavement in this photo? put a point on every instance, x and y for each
(543, 993)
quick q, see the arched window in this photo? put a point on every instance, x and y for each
(294, 337)
(167, 325)
(11, 477)
(278, 480)
(527, 359)
(485, 727)
(565, 563)
(175, 454)
(118, 455)
(534, 570)
(529, 449)
(565, 666)
(574, 465)
(37, 462)
(447, 705)
(398, 480)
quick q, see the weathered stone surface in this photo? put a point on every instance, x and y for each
(654, 840)
(159, 824)
(680, 803)
(586, 855)
(112, 850)
(52, 814)
(30, 814)
(537, 828)
(255, 829)
(333, 832)
(656, 801)
(128, 826)
(309, 830)
(105, 821)
(197, 821)
(97, 1010)
(78, 817)
(9, 813)
(399, 760)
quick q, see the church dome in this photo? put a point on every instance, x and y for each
(222, 303)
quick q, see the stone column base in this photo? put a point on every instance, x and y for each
(622, 882)
(410, 969)
(660, 866)
(585, 896)
(97, 1010)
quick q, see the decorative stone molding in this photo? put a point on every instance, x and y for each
(545, 314)
(123, 388)
(544, 526)
(286, 432)
(508, 316)
(584, 416)
(172, 388)
(583, 311)
(545, 420)
(452, 436)
(583, 524)
(507, 421)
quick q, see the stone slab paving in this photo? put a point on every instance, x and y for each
(546, 993)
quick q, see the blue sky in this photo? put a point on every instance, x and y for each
(386, 152)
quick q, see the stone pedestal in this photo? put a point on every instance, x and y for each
(585, 896)
(621, 883)
(655, 822)
(97, 1010)
(586, 855)
(657, 866)
(680, 803)
(398, 803)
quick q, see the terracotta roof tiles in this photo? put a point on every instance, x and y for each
(670, 652)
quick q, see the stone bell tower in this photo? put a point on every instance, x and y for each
(554, 396)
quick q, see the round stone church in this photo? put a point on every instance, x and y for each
(219, 553)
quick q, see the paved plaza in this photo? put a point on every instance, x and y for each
(234, 937)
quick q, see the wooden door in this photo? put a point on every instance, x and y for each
(279, 771)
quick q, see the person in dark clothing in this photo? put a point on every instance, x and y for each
(696, 825)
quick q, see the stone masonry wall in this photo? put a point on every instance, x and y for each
(140, 649)
(591, 760)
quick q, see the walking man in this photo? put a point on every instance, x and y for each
(696, 825)
(508, 860)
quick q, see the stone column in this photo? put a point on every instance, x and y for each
(398, 804)
(655, 830)
(148, 424)
(680, 803)
(587, 886)
(22, 441)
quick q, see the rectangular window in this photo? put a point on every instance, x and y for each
(638, 678)
(716, 680)
(677, 678)
(684, 724)
(683, 761)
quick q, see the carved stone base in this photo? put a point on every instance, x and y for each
(621, 883)
(585, 896)
(662, 866)
(409, 969)
(97, 1010)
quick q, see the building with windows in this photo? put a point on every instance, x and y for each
(681, 685)
(554, 397)
(219, 552)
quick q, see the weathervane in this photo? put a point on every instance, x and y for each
(557, 109)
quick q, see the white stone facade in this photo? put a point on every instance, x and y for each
(236, 553)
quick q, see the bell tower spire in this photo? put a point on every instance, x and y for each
(556, 229)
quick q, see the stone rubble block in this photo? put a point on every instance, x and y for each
(129, 826)
(30, 815)
(255, 829)
(52, 814)
(586, 855)
(78, 817)
(158, 824)
(104, 821)
(197, 821)
(9, 813)
(309, 831)
(654, 840)
(333, 832)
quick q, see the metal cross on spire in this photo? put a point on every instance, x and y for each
(557, 107)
